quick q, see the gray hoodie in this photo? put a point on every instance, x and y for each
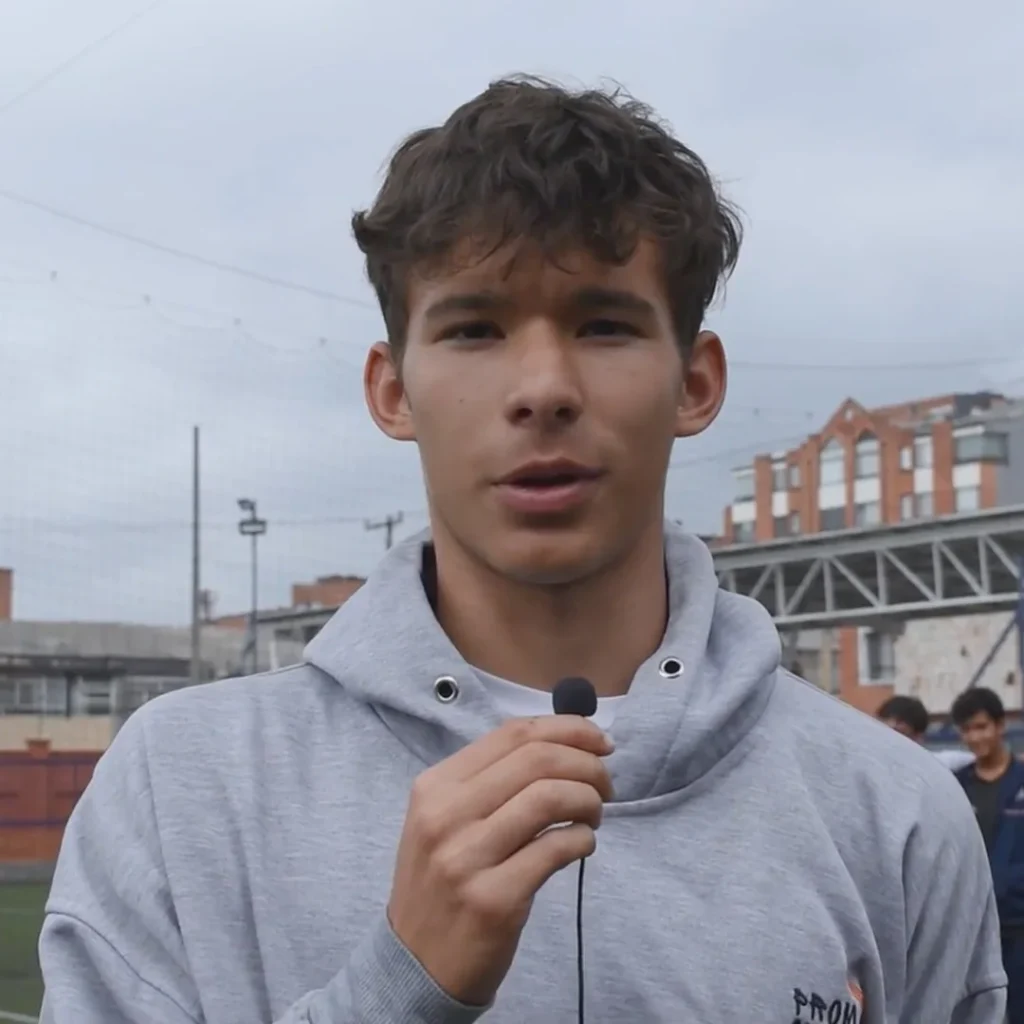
(771, 854)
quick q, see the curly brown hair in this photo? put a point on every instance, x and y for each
(530, 159)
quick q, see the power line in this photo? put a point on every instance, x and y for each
(9, 523)
(44, 80)
(184, 254)
(729, 453)
(148, 301)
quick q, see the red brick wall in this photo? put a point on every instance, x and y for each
(989, 495)
(6, 595)
(764, 528)
(865, 698)
(942, 452)
(38, 790)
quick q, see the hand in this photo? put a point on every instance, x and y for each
(478, 844)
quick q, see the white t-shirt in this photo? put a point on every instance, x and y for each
(517, 701)
(954, 760)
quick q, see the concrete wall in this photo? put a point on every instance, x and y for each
(935, 659)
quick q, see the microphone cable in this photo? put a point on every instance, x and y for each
(576, 696)
(580, 989)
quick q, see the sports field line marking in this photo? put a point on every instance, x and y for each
(18, 1018)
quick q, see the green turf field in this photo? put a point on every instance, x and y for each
(21, 915)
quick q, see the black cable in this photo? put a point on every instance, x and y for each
(579, 945)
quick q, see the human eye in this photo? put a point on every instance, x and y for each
(613, 330)
(471, 331)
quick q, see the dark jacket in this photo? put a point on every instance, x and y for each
(1007, 853)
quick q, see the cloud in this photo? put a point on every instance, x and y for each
(870, 146)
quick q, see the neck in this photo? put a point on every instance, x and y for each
(993, 766)
(602, 628)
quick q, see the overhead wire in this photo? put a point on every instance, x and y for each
(210, 262)
(65, 65)
(150, 301)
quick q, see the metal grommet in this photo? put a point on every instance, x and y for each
(670, 668)
(446, 689)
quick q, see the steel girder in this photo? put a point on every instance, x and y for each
(946, 566)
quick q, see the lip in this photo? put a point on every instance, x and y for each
(516, 493)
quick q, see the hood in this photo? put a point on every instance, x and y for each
(693, 701)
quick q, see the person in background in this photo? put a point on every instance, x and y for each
(994, 784)
(909, 716)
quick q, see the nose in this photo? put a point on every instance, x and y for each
(545, 390)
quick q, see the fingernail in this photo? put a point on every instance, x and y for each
(608, 742)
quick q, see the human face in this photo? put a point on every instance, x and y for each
(983, 736)
(544, 397)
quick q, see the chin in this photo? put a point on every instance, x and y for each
(551, 560)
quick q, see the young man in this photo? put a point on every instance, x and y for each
(909, 716)
(370, 838)
(995, 787)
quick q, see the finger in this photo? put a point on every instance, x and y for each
(497, 784)
(569, 730)
(537, 808)
(522, 875)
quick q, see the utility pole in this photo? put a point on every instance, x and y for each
(196, 670)
(253, 527)
(387, 524)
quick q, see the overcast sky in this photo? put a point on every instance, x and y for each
(876, 148)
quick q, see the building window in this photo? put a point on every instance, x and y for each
(906, 457)
(967, 499)
(865, 457)
(907, 507)
(830, 464)
(794, 523)
(981, 448)
(780, 526)
(779, 477)
(922, 452)
(794, 475)
(833, 519)
(94, 697)
(743, 488)
(742, 533)
(923, 506)
(880, 655)
(867, 514)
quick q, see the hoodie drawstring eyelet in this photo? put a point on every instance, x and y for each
(670, 668)
(446, 689)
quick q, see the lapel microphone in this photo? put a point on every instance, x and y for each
(576, 696)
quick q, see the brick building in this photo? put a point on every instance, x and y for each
(6, 594)
(315, 602)
(931, 457)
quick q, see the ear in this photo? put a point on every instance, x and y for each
(703, 387)
(385, 393)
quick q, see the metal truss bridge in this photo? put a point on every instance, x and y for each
(953, 565)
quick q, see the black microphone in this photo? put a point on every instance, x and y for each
(576, 696)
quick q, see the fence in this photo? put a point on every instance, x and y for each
(38, 790)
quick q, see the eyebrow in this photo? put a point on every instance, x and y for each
(467, 302)
(612, 298)
(586, 299)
